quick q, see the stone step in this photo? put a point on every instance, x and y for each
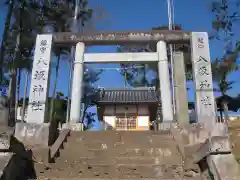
(116, 171)
(112, 137)
(138, 142)
(170, 160)
(118, 152)
(122, 133)
(118, 155)
(119, 145)
(79, 178)
(79, 173)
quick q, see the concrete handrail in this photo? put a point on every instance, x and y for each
(179, 140)
(215, 149)
(58, 143)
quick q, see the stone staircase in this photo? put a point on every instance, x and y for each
(118, 155)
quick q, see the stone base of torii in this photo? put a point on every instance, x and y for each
(210, 136)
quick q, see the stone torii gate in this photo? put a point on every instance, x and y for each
(205, 106)
(212, 136)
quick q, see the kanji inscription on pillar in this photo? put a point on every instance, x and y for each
(40, 80)
(202, 73)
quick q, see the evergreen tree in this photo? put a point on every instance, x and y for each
(29, 18)
(226, 15)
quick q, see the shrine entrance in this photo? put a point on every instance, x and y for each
(205, 106)
(126, 123)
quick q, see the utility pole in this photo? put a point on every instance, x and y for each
(170, 27)
(125, 80)
(73, 29)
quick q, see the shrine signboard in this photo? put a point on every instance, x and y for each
(40, 80)
(205, 102)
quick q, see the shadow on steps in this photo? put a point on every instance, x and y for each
(21, 165)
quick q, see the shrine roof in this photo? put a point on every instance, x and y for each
(128, 96)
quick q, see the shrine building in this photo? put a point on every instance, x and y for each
(128, 109)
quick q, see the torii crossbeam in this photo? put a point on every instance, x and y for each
(122, 38)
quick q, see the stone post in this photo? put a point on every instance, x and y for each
(202, 75)
(180, 87)
(164, 81)
(77, 90)
(38, 97)
(36, 131)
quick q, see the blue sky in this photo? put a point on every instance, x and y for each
(193, 15)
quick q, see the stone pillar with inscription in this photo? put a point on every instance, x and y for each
(202, 74)
(36, 131)
(37, 106)
(221, 165)
(163, 73)
(77, 90)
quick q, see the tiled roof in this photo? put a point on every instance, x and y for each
(134, 95)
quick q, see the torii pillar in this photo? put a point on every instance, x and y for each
(165, 88)
(77, 88)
